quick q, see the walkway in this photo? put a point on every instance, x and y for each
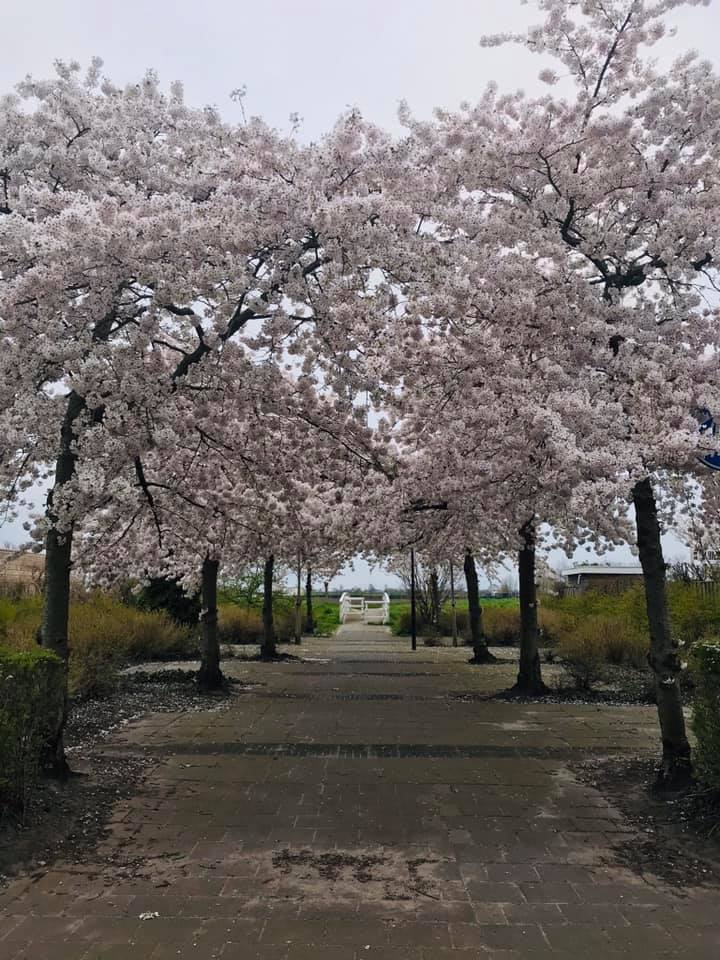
(365, 803)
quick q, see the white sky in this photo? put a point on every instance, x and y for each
(315, 58)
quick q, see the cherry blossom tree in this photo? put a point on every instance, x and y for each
(140, 238)
(603, 207)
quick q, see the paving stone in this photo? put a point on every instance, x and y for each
(552, 891)
(486, 892)
(513, 872)
(498, 936)
(370, 803)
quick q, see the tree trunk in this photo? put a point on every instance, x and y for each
(413, 603)
(676, 769)
(268, 648)
(210, 675)
(53, 634)
(453, 605)
(298, 604)
(309, 622)
(481, 654)
(529, 679)
(434, 598)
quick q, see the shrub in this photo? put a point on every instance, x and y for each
(551, 624)
(587, 644)
(243, 625)
(501, 624)
(166, 594)
(400, 621)
(705, 665)
(694, 612)
(31, 698)
(239, 624)
(103, 634)
(584, 652)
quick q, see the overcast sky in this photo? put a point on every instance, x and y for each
(315, 58)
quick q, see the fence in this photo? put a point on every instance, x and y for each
(706, 588)
(21, 574)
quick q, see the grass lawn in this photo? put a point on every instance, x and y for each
(326, 614)
(399, 607)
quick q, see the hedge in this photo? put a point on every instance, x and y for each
(31, 697)
(705, 663)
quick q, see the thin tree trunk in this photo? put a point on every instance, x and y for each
(298, 603)
(481, 654)
(413, 603)
(434, 598)
(676, 769)
(268, 648)
(53, 634)
(309, 621)
(453, 605)
(529, 679)
(210, 675)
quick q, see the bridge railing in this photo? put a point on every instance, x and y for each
(377, 611)
(350, 604)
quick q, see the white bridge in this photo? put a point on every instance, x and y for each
(369, 611)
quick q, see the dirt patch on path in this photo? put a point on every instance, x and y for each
(678, 839)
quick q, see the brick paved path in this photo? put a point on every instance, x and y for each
(366, 803)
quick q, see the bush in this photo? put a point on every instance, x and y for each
(694, 613)
(705, 665)
(584, 652)
(501, 625)
(586, 645)
(166, 594)
(401, 624)
(243, 625)
(103, 634)
(551, 623)
(239, 624)
(31, 699)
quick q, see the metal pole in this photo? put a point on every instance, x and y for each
(452, 604)
(413, 620)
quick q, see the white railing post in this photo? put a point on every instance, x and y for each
(344, 606)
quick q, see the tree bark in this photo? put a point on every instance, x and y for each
(298, 604)
(529, 679)
(434, 598)
(53, 634)
(413, 603)
(481, 653)
(676, 769)
(453, 605)
(309, 621)
(268, 648)
(210, 675)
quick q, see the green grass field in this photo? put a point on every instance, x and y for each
(398, 607)
(326, 614)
